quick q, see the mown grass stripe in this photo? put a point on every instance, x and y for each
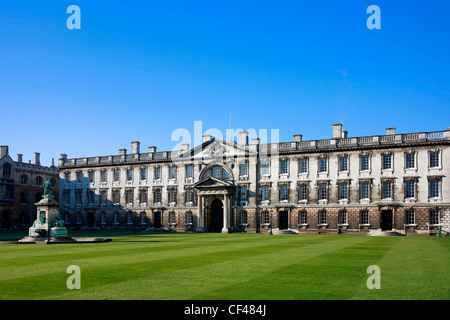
(198, 280)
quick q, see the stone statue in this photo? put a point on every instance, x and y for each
(47, 188)
(39, 226)
(58, 222)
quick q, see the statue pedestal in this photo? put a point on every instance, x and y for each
(56, 232)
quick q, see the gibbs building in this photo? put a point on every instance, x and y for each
(397, 183)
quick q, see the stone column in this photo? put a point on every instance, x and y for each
(226, 214)
(200, 214)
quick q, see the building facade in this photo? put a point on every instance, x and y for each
(347, 184)
(20, 189)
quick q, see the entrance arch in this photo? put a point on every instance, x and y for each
(215, 217)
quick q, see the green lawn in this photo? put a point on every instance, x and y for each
(234, 266)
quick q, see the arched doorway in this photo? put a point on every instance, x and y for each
(216, 216)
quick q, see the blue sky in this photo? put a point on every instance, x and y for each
(138, 70)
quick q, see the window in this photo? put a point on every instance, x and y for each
(172, 218)
(434, 217)
(103, 197)
(410, 160)
(157, 195)
(91, 196)
(142, 217)
(37, 196)
(172, 172)
(343, 163)
(244, 217)
(6, 170)
(265, 190)
(323, 217)
(189, 218)
(103, 218)
(217, 172)
(130, 217)
(79, 218)
(303, 216)
(284, 192)
(303, 192)
(67, 176)
(364, 190)
(116, 218)
(343, 190)
(323, 191)
(409, 217)
(103, 176)
(143, 196)
(78, 197)
(434, 159)
(23, 197)
(243, 193)
(343, 217)
(129, 174)
(190, 195)
(38, 180)
(172, 195)
(143, 173)
(243, 169)
(386, 189)
(323, 165)
(23, 179)
(364, 217)
(284, 166)
(365, 163)
(129, 196)
(91, 175)
(433, 187)
(66, 197)
(116, 197)
(116, 175)
(79, 176)
(303, 165)
(265, 217)
(265, 168)
(410, 189)
(387, 161)
(189, 171)
(157, 172)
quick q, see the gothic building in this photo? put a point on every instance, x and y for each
(20, 188)
(348, 184)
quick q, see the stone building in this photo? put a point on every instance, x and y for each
(20, 189)
(393, 182)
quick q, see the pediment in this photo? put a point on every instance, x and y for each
(215, 149)
(212, 182)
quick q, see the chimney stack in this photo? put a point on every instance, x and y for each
(135, 147)
(243, 138)
(19, 157)
(298, 137)
(390, 130)
(207, 137)
(152, 149)
(185, 146)
(37, 158)
(337, 130)
(4, 151)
